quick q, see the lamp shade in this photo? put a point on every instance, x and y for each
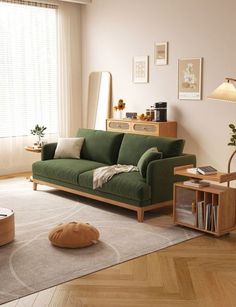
(226, 92)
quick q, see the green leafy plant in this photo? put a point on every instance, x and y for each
(39, 131)
(233, 135)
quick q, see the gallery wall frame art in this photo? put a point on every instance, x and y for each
(161, 53)
(141, 69)
(190, 79)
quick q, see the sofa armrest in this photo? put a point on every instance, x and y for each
(48, 151)
(160, 176)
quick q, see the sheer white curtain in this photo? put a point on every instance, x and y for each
(69, 40)
(28, 79)
(34, 84)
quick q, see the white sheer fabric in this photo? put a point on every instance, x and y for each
(28, 80)
(13, 157)
(69, 69)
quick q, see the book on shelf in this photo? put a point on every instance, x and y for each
(208, 217)
(206, 170)
(211, 217)
(192, 170)
(196, 183)
(214, 217)
(200, 214)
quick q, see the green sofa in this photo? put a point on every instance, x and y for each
(128, 190)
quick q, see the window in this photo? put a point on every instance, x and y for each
(28, 68)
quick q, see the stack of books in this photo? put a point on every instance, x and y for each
(196, 183)
(206, 170)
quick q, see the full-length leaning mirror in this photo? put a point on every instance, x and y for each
(99, 99)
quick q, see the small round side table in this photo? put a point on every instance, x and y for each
(33, 149)
(7, 226)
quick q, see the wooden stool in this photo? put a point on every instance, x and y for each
(7, 226)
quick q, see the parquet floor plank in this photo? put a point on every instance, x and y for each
(196, 273)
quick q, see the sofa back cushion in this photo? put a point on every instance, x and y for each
(133, 146)
(100, 146)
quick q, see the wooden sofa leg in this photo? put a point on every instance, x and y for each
(35, 186)
(140, 215)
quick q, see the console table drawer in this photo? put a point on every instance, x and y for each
(136, 126)
(118, 125)
(145, 128)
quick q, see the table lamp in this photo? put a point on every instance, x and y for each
(226, 92)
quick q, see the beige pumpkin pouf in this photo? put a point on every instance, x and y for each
(73, 235)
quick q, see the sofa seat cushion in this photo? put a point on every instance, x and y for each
(100, 146)
(133, 146)
(65, 170)
(128, 185)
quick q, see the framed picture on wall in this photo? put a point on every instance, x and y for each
(161, 53)
(140, 69)
(190, 79)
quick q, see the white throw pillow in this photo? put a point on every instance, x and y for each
(68, 148)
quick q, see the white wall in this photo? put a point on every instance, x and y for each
(114, 31)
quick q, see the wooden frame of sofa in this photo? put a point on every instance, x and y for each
(140, 210)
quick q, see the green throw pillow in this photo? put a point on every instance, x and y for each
(150, 155)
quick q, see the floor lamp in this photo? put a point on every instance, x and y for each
(226, 92)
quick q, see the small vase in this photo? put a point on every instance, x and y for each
(120, 114)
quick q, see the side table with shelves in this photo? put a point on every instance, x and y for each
(210, 209)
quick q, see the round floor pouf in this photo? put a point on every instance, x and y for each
(7, 226)
(73, 235)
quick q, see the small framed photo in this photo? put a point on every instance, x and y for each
(161, 53)
(190, 79)
(140, 69)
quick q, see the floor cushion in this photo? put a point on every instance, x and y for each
(73, 235)
(65, 170)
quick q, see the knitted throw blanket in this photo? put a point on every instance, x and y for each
(103, 174)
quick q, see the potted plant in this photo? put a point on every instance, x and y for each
(120, 107)
(232, 142)
(39, 131)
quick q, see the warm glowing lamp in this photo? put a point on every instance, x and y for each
(226, 92)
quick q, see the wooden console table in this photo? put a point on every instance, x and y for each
(209, 209)
(136, 126)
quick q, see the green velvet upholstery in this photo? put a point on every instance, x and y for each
(103, 148)
(128, 185)
(95, 192)
(133, 146)
(100, 146)
(67, 170)
(150, 155)
(48, 151)
(160, 176)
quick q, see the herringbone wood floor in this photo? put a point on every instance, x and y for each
(197, 273)
(200, 272)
